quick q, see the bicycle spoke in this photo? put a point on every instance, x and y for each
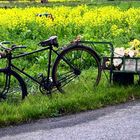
(67, 78)
(70, 79)
(84, 67)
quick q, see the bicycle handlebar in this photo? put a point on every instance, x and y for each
(4, 42)
(13, 47)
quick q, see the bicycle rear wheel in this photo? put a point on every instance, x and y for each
(77, 67)
(12, 86)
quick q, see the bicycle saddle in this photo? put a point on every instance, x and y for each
(52, 41)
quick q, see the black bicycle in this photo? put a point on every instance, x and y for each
(75, 65)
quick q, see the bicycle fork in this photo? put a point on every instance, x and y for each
(6, 87)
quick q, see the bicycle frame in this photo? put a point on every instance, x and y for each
(12, 66)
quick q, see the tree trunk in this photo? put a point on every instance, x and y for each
(44, 1)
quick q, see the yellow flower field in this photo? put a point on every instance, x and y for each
(104, 23)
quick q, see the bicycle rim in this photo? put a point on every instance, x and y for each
(82, 59)
(10, 87)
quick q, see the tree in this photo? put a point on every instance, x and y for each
(44, 1)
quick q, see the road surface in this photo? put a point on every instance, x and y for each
(121, 122)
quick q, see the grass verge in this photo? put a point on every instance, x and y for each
(39, 106)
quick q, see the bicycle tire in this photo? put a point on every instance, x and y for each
(14, 78)
(91, 59)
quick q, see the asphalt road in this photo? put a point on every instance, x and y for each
(121, 122)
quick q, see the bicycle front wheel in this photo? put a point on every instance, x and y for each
(12, 86)
(77, 67)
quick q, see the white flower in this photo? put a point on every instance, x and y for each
(118, 52)
(131, 53)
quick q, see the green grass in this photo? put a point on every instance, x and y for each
(75, 100)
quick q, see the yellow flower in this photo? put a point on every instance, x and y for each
(135, 44)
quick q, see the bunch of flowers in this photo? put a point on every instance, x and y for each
(131, 52)
(134, 50)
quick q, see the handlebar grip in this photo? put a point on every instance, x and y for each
(22, 47)
(17, 47)
(5, 42)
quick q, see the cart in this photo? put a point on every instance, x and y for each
(124, 74)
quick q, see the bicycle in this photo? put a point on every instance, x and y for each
(75, 64)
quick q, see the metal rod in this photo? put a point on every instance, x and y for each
(49, 64)
(25, 74)
(29, 53)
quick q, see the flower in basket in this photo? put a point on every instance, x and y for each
(118, 52)
(107, 64)
(135, 44)
(134, 50)
(131, 53)
(126, 52)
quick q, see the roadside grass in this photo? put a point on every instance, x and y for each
(75, 100)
